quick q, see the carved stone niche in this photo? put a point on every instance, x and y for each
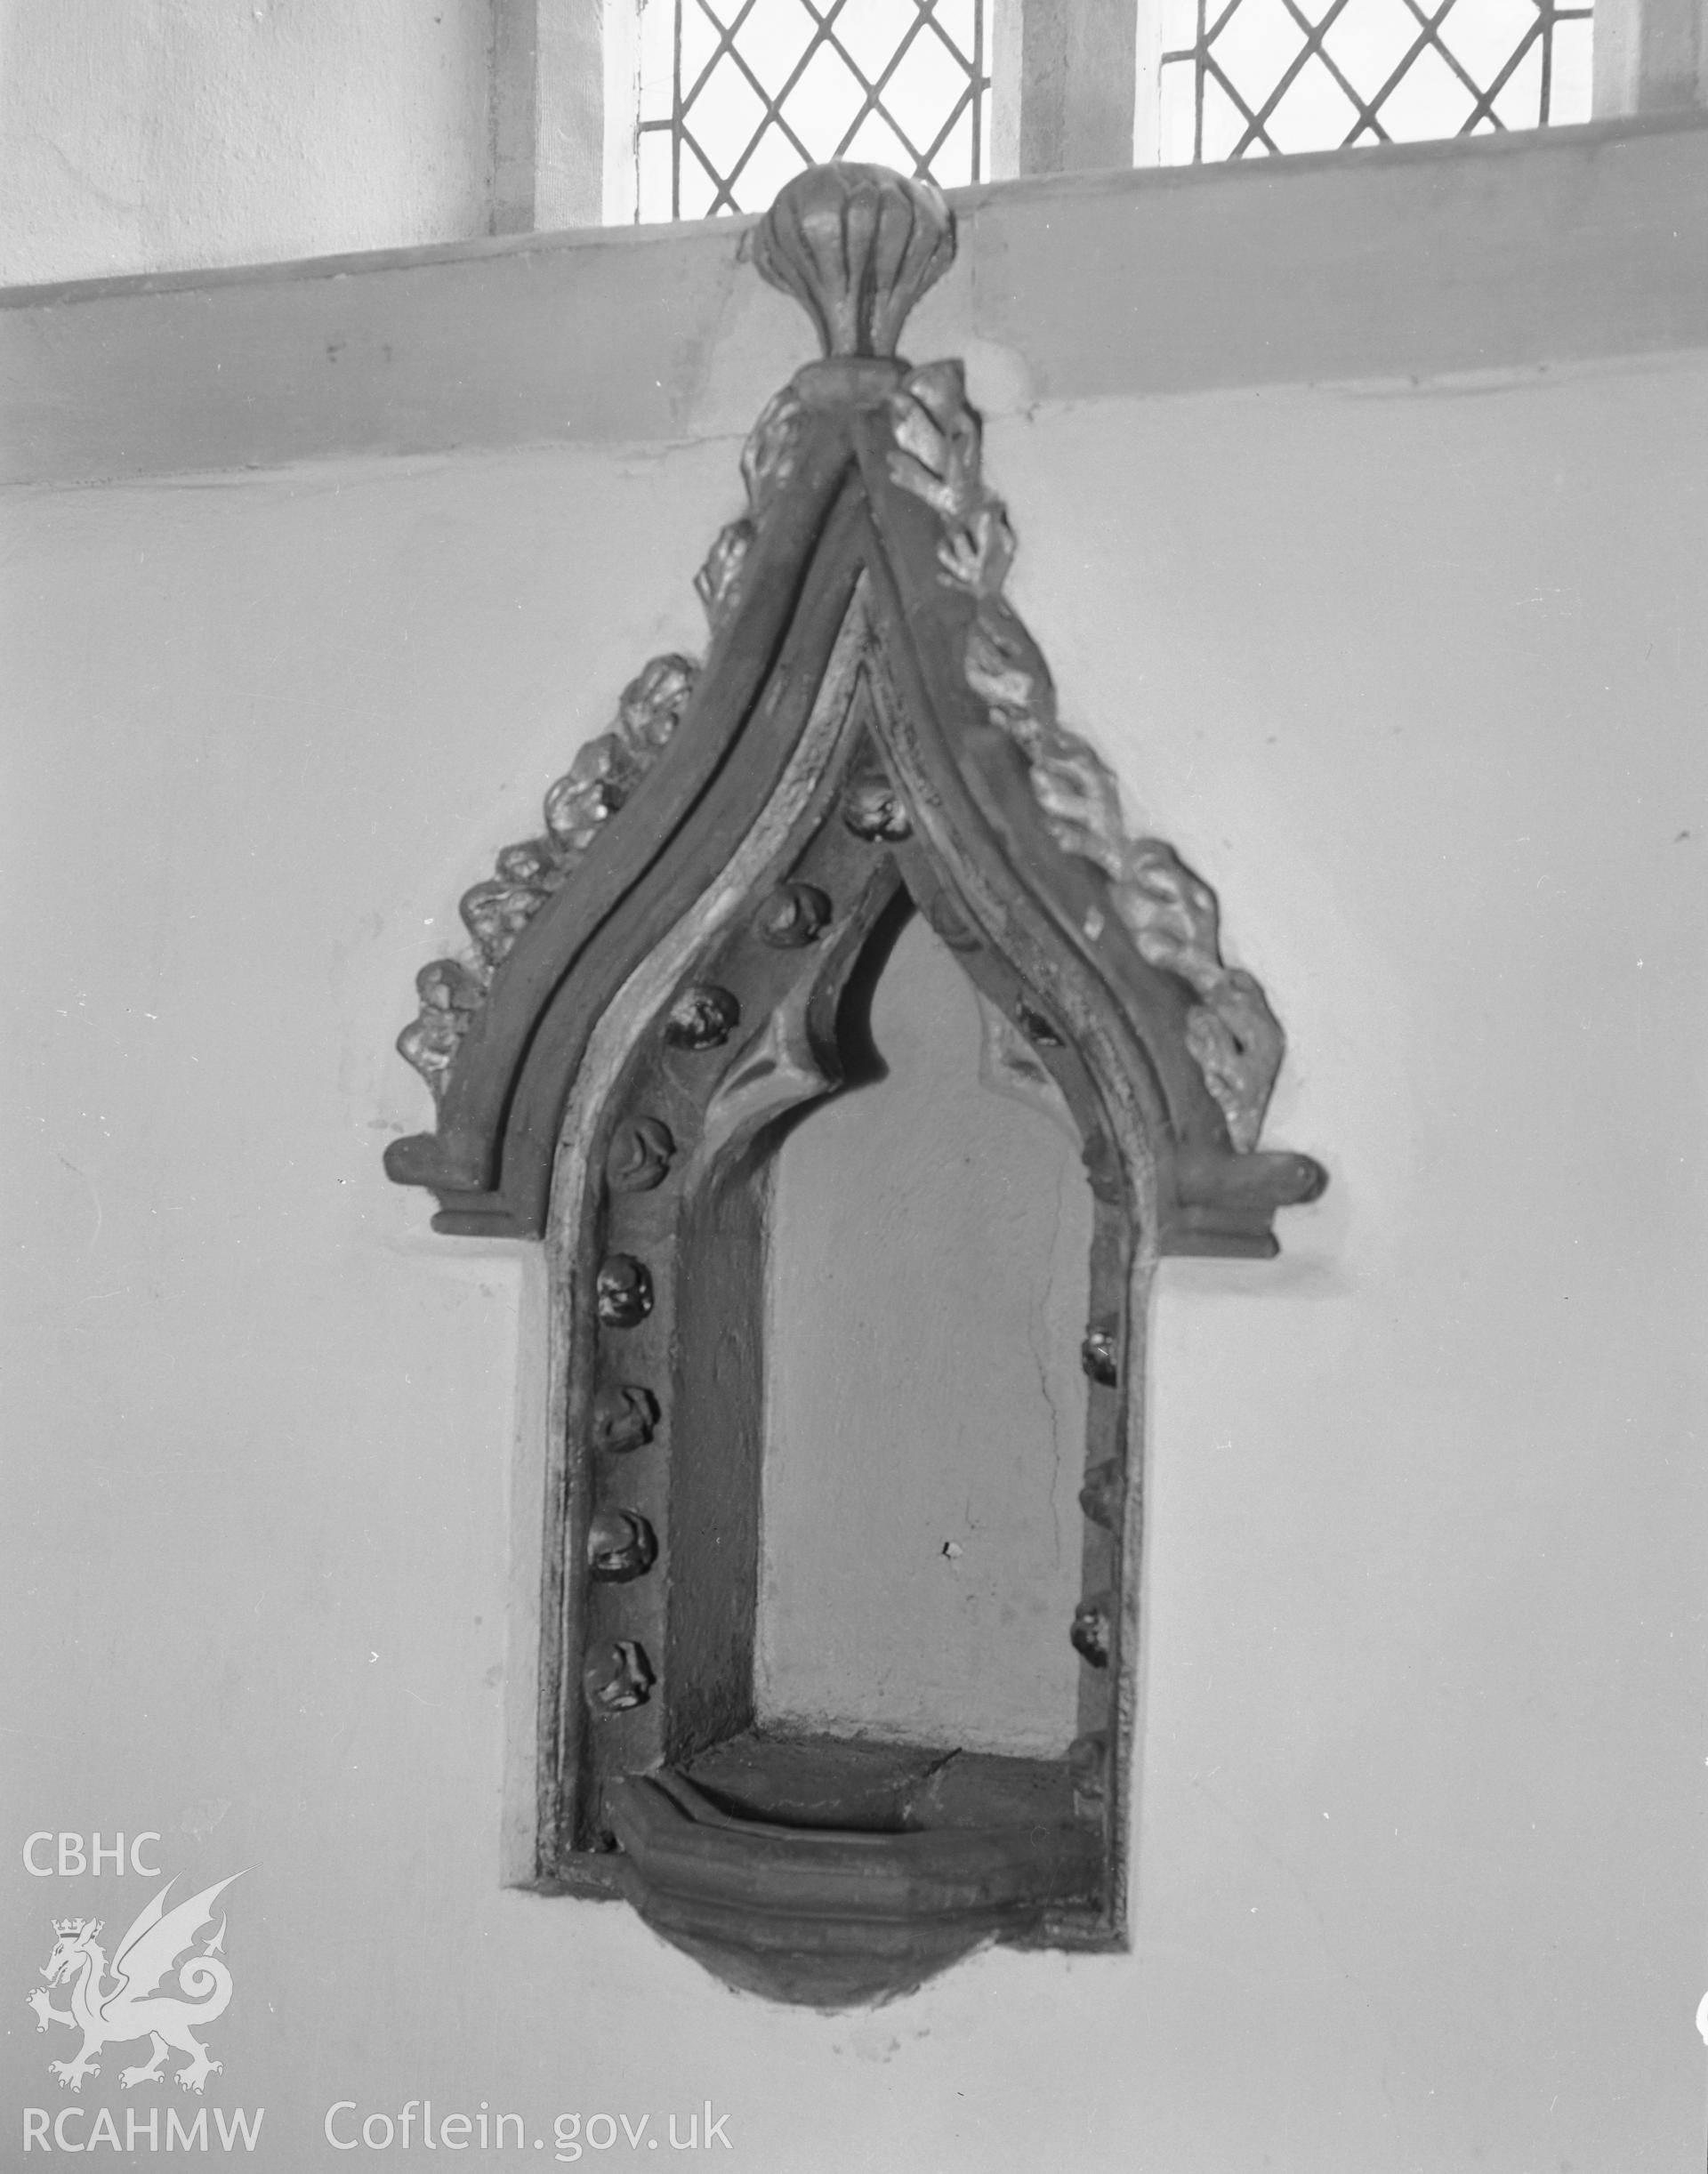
(654, 991)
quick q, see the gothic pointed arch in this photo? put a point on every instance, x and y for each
(656, 986)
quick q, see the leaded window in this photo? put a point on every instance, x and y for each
(735, 97)
(738, 96)
(1245, 78)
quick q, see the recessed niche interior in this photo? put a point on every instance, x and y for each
(773, 1031)
(925, 1413)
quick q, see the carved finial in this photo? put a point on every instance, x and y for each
(857, 246)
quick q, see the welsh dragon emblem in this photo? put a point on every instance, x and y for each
(111, 2003)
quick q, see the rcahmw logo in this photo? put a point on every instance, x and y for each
(168, 1980)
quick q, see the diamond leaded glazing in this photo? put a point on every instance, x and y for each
(738, 96)
(1245, 77)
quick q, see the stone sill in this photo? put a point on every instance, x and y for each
(1421, 261)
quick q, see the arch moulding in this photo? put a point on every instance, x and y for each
(660, 982)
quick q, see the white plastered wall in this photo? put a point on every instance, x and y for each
(144, 135)
(1411, 667)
